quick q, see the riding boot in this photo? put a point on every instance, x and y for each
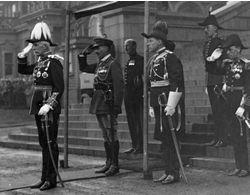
(114, 168)
(107, 148)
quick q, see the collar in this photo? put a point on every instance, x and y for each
(105, 57)
(161, 50)
(133, 56)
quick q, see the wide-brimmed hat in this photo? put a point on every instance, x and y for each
(41, 32)
(101, 42)
(210, 20)
(160, 31)
(233, 40)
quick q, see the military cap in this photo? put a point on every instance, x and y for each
(210, 20)
(41, 32)
(102, 42)
(233, 40)
(160, 31)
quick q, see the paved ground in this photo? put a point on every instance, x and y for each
(21, 168)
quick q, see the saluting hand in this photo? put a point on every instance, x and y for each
(25, 51)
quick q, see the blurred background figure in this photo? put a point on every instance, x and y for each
(133, 96)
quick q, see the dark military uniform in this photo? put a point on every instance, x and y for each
(108, 78)
(133, 99)
(237, 79)
(214, 79)
(165, 75)
(48, 88)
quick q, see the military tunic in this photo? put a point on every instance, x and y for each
(133, 99)
(108, 74)
(215, 78)
(165, 75)
(237, 80)
(48, 88)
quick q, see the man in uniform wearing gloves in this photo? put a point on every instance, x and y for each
(214, 80)
(47, 72)
(166, 79)
(236, 89)
(107, 98)
(133, 93)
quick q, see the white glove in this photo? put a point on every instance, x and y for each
(25, 51)
(170, 110)
(224, 87)
(151, 112)
(240, 111)
(215, 55)
(44, 109)
(206, 92)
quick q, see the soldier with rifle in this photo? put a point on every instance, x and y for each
(166, 84)
(107, 98)
(47, 72)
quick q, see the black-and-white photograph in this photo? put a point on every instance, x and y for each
(124, 97)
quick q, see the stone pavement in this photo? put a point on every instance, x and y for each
(21, 168)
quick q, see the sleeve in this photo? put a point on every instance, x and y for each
(23, 67)
(56, 70)
(175, 73)
(118, 83)
(247, 90)
(83, 65)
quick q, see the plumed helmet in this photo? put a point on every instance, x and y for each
(41, 32)
(159, 31)
(210, 20)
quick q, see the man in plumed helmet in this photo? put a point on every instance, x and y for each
(166, 79)
(107, 98)
(213, 80)
(236, 89)
(47, 73)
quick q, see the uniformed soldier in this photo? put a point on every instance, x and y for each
(107, 98)
(166, 77)
(47, 72)
(133, 96)
(214, 81)
(237, 92)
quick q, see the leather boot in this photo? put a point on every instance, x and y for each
(52, 176)
(114, 168)
(108, 159)
(37, 184)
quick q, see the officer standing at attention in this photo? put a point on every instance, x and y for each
(133, 96)
(107, 98)
(237, 92)
(214, 81)
(49, 86)
(166, 77)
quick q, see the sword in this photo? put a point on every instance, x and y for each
(172, 129)
(46, 127)
(162, 100)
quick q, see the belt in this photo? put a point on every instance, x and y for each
(42, 87)
(159, 83)
(235, 88)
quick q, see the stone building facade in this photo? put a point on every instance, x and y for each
(18, 19)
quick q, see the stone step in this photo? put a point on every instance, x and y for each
(224, 152)
(213, 163)
(88, 117)
(196, 102)
(203, 127)
(198, 110)
(192, 149)
(196, 118)
(190, 95)
(84, 141)
(195, 83)
(122, 134)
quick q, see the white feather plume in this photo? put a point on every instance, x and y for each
(39, 29)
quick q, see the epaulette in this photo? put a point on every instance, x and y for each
(56, 56)
(164, 54)
(247, 63)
